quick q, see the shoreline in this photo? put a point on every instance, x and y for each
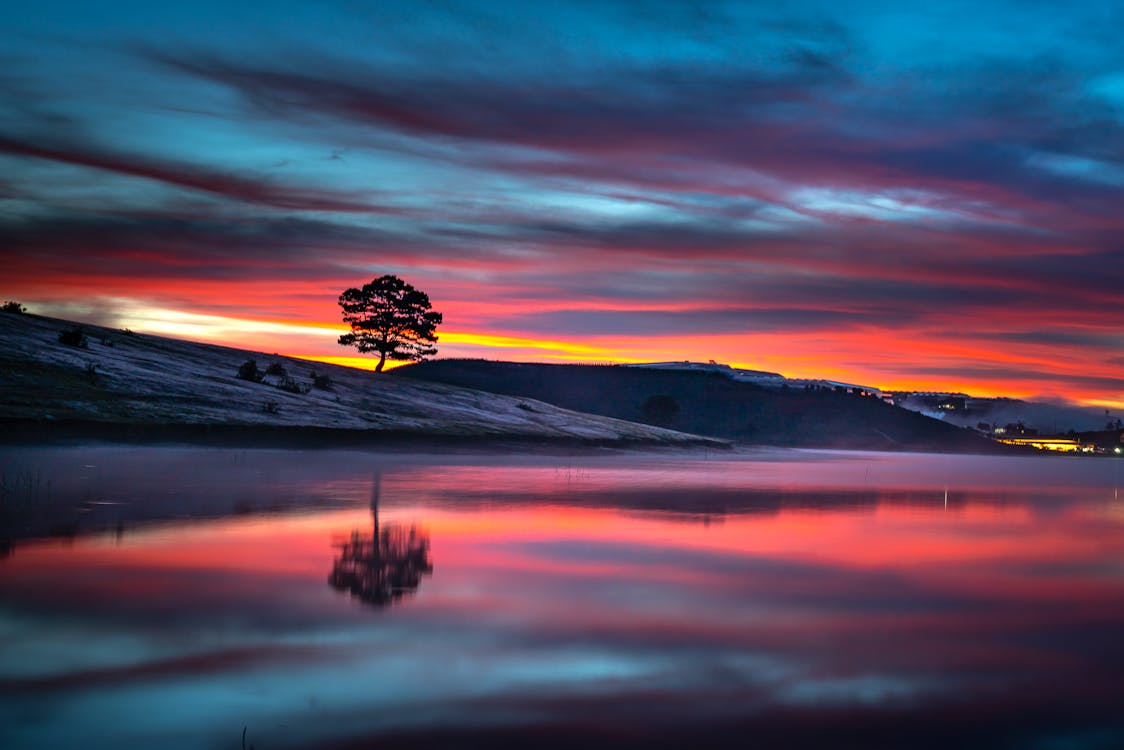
(63, 432)
(67, 432)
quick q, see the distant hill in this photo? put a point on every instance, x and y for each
(1046, 417)
(709, 404)
(121, 384)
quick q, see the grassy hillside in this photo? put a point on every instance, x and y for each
(708, 404)
(136, 385)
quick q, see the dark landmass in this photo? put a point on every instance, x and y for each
(992, 412)
(63, 381)
(122, 386)
(711, 404)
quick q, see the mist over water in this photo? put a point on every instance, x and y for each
(170, 597)
(1044, 416)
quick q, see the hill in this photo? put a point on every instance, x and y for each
(710, 404)
(122, 384)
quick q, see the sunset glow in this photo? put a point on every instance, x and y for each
(905, 196)
(784, 595)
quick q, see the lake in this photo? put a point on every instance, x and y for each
(169, 597)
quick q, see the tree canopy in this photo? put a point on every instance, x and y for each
(392, 318)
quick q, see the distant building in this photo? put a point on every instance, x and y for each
(931, 400)
(1106, 441)
(837, 386)
(1060, 444)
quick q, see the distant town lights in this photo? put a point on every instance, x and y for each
(1119, 450)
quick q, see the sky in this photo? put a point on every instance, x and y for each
(904, 195)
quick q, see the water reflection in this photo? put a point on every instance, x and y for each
(829, 602)
(381, 567)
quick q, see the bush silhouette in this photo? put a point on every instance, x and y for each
(74, 337)
(249, 371)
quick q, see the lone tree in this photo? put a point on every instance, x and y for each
(392, 318)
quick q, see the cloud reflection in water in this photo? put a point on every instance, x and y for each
(591, 606)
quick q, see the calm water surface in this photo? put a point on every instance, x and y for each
(170, 597)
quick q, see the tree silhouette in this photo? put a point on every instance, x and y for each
(392, 318)
(382, 567)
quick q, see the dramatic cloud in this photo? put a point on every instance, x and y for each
(191, 177)
(910, 197)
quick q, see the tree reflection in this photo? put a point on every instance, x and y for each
(381, 567)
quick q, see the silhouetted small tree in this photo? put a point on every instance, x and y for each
(74, 337)
(249, 371)
(392, 318)
(11, 306)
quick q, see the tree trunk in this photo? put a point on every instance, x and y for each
(382, 361)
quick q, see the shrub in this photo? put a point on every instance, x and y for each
(74, 337)
(292, 386)
(323, 382)
(275, 368)
(249, 371)
(270, 407)
(91, 371)
(11, 306)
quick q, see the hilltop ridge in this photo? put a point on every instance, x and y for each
(127, 384)
(711, 403)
